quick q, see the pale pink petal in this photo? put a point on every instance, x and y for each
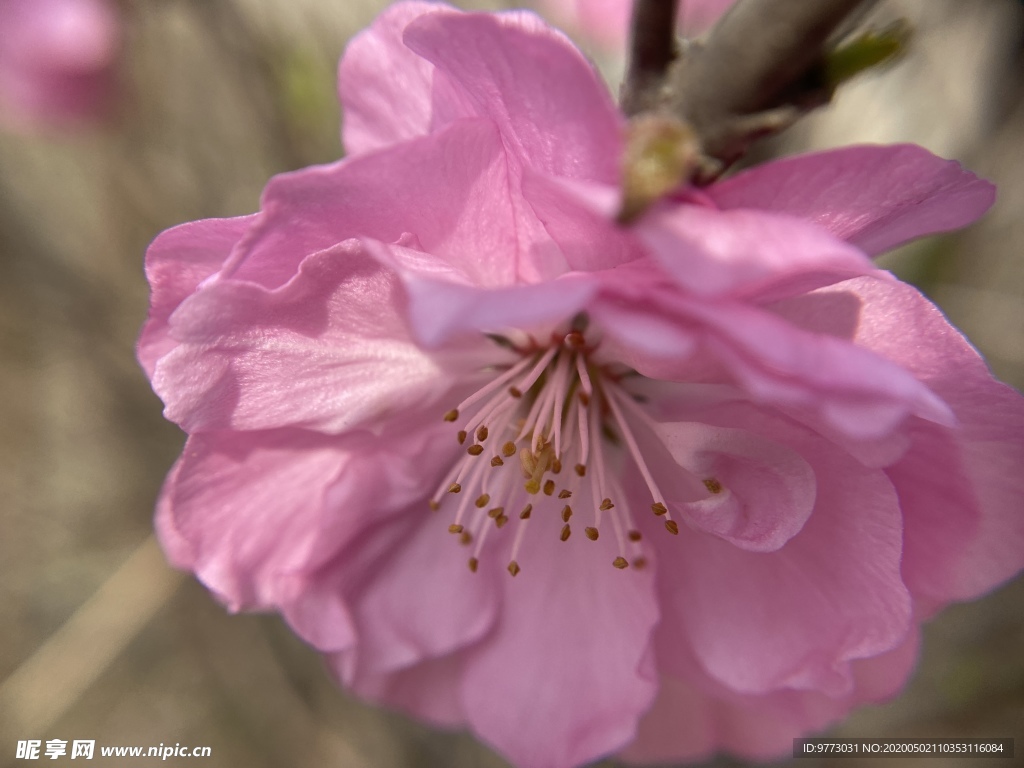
(765, 493)
(177, 261)
(872, 196)
(746, 252)
(960, 490)
(328, 351)
(565, 663)
(249, 507)
(448, 190)
(430, 691)
(758, 622)
(441, 310)
(554, 112)
(389, 93)
(411, 595)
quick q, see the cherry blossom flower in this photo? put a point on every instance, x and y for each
(607, 21)
(584, 490)
(56, 60)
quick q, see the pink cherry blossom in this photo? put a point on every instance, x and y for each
(607, 21)
(56, 60)
(709, 474)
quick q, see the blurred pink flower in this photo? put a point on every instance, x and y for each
(56, 60)
(733, 464)
(607, 21)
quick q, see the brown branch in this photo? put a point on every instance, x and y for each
(757, 71)
(652, 48)
(695, 112)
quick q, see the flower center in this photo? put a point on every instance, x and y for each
(537, 440)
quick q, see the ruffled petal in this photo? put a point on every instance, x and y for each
(411, 595)
(244, 511)
(872, 196)
(590, 634)
(746, 253)
(328, 351)
(796, 617)
(553, 110)
(760, 493)
(176, 263)
(443, 306)
(389, 93)
(960, 489)
(448, 190)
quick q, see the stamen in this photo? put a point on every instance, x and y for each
(513, 568)
(712, 485)
(454, 488)
(475, 450)
(566, 532)
(482, 500)
(453, 528)
(462, 435)
(549, 487)
(592, 533)
(525, 514)
(452, 415)
(473, 564)
(672, 527)
(508, 449)
(565, 493)
(635, 536)
(620, 562)
(658, 508)
(566, 513)
(481, 433)
(496, 461)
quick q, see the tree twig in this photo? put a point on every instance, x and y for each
(652, 48)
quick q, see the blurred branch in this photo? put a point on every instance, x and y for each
(759, 69)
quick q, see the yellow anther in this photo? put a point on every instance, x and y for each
(454, 528)
(620, 562)
(566, 513)
(606, 504)
(581, 470)
(556, 466)
(482, 500)
(513, 568)
(463, 434)
(496, 461)
(473, 564)
(434, 505)
(508, 449)
(500, 520)
(525, 514)
(454, 488)
(481, 433)
(658, 508)
(496, 512)
(549, 487)
(672, 527)
(634, 536)
(565, 493)
(566, 532)
(475, 450)
(465, 538)
(592, 533)
(712, 485)
(452, 415)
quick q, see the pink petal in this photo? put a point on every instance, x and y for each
(745, 252)
(328, 351)
(249, 508)
(872, 196)
(691, 719)
(448, 190)
(960, 489)
(767, 490)
(442, 306)
(389, 93)
(566, 662)
(411, 595)
(796, 617)
(176, 263)
(554, 112)
(430, 691)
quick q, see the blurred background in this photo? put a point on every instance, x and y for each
(99, 639)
